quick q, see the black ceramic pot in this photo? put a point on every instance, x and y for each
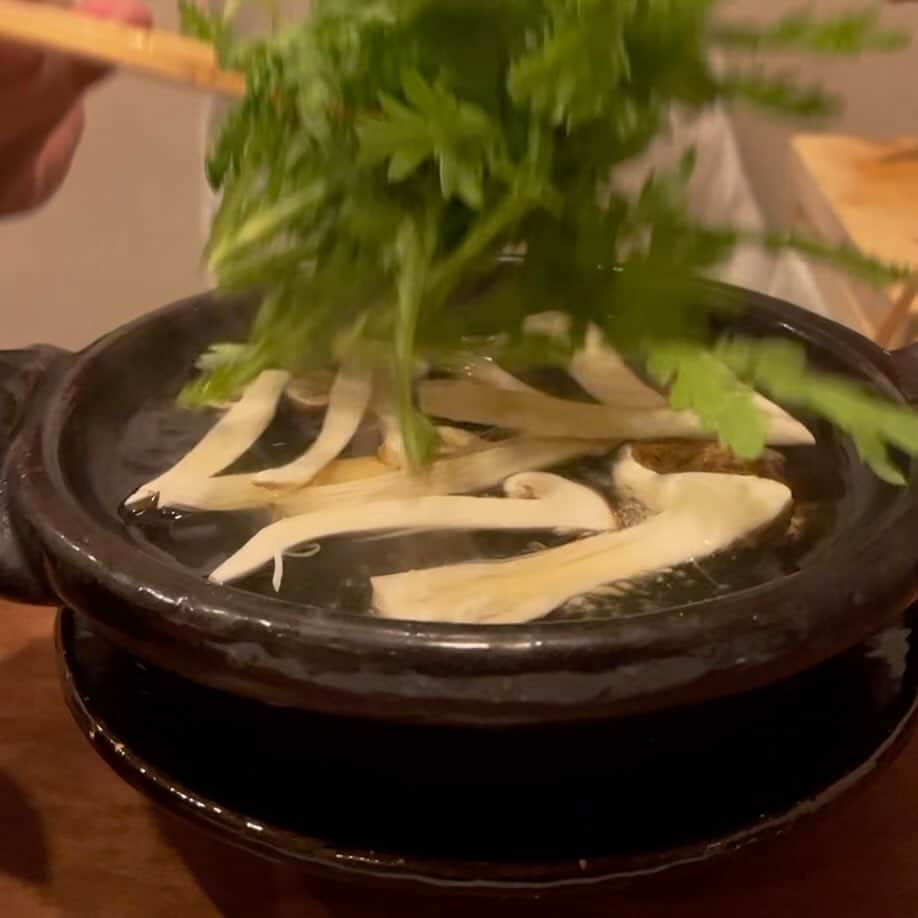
(587, 718)
(518, 810)
(67, 417)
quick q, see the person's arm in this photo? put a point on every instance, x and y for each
(41, 112)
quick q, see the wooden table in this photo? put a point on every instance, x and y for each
(863, 193)
(77, 842)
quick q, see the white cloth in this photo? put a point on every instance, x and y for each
(720, 193)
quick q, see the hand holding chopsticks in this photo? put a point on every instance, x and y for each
(41, 112)
(151, 51)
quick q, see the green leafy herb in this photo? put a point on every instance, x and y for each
(851, 33)
(434, 126)
(388, 152)
(702, 383)
(873, 422)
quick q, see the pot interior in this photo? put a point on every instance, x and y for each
(123, 427)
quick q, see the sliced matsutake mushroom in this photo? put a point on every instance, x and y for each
(311, 391)
(233, 434)
(354, 468)
(697, 515)
(347, 404)
(551, 324)
(461, 474)
(453, 440)
(601, 373)
(534, 501)
(467, 473)
(391, 448)
(484, 370)
(242, 492)
(545, 416)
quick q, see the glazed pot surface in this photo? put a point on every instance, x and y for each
(482, 811)
(72, 466)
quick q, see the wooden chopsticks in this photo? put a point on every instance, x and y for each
(149, 51)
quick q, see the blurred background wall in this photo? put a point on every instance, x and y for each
(880, 94)
(124, 235)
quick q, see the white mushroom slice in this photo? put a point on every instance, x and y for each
(232, 435)
(347, 404)
(454, 441)
(536, 501)
(484, 370)
(545, 416)
(775, 413)
(355, 468)
(465, 474)
(391, 452)
(551, 324)
(311, 391)
(699, 514)
(461, 474)
(222, 493)
(601, 372)
(241, 492)
(392, 449)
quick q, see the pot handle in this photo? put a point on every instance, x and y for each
(22, 373)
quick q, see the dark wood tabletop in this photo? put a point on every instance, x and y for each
(76, 841)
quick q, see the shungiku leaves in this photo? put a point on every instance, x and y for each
(389, 151)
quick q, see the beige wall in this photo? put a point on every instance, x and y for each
(880, 93)
(125, 233)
